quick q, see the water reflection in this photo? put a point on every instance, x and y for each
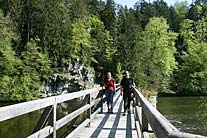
(19, 127)
(202, 113)
(188, 114)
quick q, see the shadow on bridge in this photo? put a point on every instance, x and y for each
(118, 127)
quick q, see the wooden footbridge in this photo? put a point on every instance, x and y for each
(144, 121)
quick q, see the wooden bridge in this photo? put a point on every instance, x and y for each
(143, 120)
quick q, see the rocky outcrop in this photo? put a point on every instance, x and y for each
(75, 76)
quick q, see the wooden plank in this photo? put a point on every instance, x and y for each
(153, 101)
(90, 99)
(147, 134)
(70, 96)
(95, 113)
(138, 129)
(98, 100)
(116, 125)
(134, 102)
(75, 132)
(95, 102)
(138, 121)
(49, 130)
(144, 122)
(161, 126)
(54, 119)
(42, 133)
(43, 119)
(71, 116)
(12, 111)
(138, 113)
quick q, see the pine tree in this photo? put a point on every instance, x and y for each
(56, 31)
(108, 16)
(121, 20)
(94, 7)
(127, 42)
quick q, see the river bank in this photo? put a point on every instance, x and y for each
(174, 94)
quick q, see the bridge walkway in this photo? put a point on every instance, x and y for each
(106, 125)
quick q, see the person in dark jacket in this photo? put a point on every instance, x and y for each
(126, 88)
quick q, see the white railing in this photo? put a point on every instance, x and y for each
(146, 114)
(13, 111)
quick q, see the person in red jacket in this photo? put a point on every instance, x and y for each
(109, 84)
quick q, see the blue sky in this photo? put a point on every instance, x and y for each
(130, 3)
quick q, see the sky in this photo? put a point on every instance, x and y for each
(130, 3)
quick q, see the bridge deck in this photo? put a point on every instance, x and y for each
(116, 125)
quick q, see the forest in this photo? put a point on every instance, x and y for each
(163, 47)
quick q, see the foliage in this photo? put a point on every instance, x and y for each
(157, 59)
(80, 43)
(8, 61)
(152, 136)
(108, 17)
(119, 74)
(20, 79)
(101, 41)
(38, 37)
(191, 75)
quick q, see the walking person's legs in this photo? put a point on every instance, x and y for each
(128, 101)
(109, 97)
(125, 101)
(107, 93)
(111, 101)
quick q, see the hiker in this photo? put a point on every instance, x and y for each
(109, 84)
(126, 89)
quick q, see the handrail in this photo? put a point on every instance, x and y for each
(11, 111)
(160, 125)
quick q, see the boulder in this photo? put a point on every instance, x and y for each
(75, 76)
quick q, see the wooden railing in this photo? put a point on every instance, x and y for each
(13, 111)
(146, 114)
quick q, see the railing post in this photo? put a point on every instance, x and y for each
(142, 119)
(139, 110)
(138, 116)
(134, 105)
(153, 101)
(54, 117)
(89, 109)
(102, 94)
(144, 122)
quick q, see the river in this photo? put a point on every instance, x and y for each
(22, 126)
(188, 114)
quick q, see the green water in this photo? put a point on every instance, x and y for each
(22, 126)
(188, 114)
